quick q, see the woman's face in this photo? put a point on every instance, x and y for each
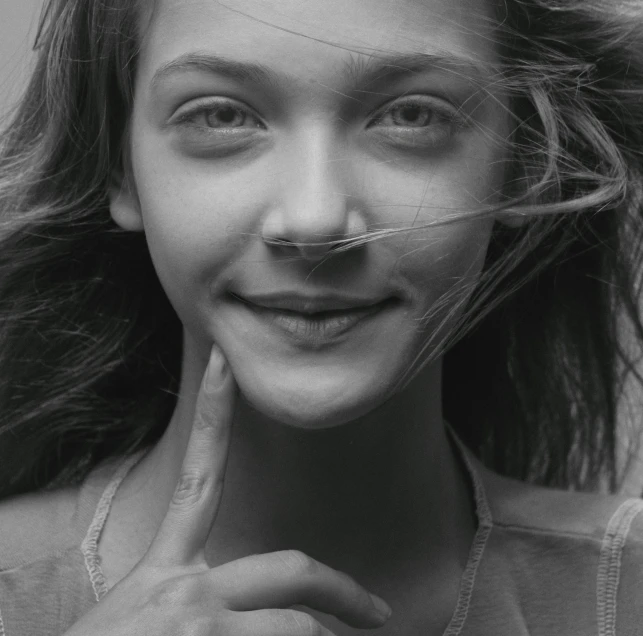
(262, 127)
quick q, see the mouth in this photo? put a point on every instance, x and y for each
(314, 321)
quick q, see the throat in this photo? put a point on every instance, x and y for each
(341, 497)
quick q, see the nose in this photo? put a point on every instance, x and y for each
(316, 203)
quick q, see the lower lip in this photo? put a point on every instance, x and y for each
(318, 328)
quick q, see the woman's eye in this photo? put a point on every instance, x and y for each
(411, 115)
(417, 121)
(219, 115)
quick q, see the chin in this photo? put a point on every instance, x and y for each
(311, 408)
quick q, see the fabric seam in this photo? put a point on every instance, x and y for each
(547, 531)
(485, 525)
(609, 565)
(89, 546)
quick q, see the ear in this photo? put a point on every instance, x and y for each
(124, 206)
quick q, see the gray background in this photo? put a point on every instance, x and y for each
(18, 25)
(18, 22)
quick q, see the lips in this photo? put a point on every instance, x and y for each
(308, 305)
(313, 321)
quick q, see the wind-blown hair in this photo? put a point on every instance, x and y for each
(90, 347)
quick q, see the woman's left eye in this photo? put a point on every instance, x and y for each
(419, 119)
(410, 115)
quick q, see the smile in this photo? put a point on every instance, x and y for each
(297, 318)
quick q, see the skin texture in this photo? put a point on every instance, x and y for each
(326, 457)
(317, 170)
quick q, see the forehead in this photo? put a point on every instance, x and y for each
(314, 38)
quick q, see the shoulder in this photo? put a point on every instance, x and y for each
(568, 560)
(44, 582)
(527, 507)
(36, 525)
(47, 523)
(553, 533)
(560, 531)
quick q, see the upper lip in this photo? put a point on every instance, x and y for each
(308, 304)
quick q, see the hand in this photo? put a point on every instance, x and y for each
(173, 592)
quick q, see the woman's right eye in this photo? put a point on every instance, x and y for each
(217, 115)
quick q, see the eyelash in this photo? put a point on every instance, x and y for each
(448, 116)
(202, 108)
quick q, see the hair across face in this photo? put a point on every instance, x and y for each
(255, 139)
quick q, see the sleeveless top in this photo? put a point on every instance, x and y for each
(543, 562)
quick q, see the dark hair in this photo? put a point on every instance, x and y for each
(547, 370)
(90, 346)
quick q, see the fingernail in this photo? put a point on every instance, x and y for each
(216, 368)
(381, 606)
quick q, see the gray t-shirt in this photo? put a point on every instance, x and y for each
(543, 562)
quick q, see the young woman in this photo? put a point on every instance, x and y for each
(369, 261)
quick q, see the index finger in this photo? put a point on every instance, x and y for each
(181, 537)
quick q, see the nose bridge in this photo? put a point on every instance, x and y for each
(316, 199)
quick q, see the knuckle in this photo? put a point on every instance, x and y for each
(207, 420)
(299, 563)
(189, 490)
(204, 419)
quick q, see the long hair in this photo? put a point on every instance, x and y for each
(547, 369)
(90, 347)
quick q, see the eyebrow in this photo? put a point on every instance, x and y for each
(358, 71)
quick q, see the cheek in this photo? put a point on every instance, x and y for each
(437, 253)
(184, 224)
(442, 266)
(195, 221)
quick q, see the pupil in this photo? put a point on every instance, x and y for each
(224, 116)
(412, 113)
(227, 115)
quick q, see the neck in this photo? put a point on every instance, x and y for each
(387, 483)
